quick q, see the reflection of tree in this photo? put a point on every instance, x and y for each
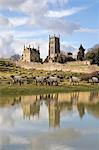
(74, 97)
(93, 109)
(81, 109)
(93, 95)
(9, 101)
(65, 106)
(16, 100)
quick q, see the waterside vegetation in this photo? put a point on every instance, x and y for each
(33, 89)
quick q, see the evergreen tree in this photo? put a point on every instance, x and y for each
(93, 55)
(80, 55)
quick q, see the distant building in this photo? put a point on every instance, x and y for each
(31, 55)
(54, 47)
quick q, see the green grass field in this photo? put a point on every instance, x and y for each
(33, 89)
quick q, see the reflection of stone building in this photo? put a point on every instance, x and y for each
(31, 55)
(54, 114)
(30, 107)
(31, 110)
(26, 110)
(80, 102)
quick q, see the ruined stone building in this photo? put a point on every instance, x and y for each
(31, 55)
(54, 47)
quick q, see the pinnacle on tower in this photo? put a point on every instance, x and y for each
(24, 47)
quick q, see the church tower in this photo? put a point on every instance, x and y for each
(54, 46)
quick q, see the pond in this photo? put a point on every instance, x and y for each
(62, 121)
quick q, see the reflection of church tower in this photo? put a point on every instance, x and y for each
(54, 46)
(26, 110)
(81, 110)
(54, 114)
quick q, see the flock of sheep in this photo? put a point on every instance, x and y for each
(53, 80)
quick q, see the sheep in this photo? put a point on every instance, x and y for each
(17, 79)
(93, 80)
(74, 80)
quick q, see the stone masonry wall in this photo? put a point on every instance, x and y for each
(79, 67)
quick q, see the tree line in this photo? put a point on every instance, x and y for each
(91, 55)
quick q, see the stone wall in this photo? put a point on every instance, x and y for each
(78, 67)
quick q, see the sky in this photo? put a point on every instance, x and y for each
(24, 22)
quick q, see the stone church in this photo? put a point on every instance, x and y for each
(54, 53)
(31, 55)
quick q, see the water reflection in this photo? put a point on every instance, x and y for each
(56, 104)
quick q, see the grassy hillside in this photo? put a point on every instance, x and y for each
(7, 68)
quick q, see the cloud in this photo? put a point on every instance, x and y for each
(56, 140)
(38, 18)
(12, 42)
(10, 139)
(6, 50)
(65, 13)
(4, 21)
(5, 120)
(18, 21)
(55, 25)
(67, 48)
(87, 30)
(59, 1)
(61, 26)
(61, 147)
(36, 15)
(11, 4)
(9, 116)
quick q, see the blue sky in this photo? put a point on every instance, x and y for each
(31, 22)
